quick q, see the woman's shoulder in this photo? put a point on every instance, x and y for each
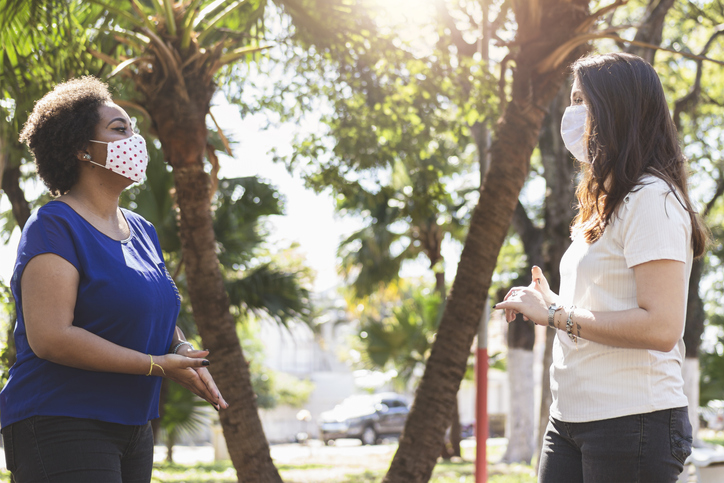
(652, 189)
(653, 196)
(54, 212)
(649, 183)
(54, 208)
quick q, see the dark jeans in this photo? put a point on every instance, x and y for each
(642, 448)
(62, 449)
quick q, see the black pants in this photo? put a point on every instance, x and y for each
(641, 448)
(63, 449)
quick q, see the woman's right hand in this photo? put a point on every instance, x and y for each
(184, 370)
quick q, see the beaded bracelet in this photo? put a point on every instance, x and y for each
(569, 325)
(178, 346)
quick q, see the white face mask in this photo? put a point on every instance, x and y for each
(127, 157)
(573, 126)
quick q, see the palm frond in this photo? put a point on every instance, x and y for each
(276, 293)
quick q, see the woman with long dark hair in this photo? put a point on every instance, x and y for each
(619, 410)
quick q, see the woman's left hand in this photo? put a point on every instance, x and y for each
(205, 375)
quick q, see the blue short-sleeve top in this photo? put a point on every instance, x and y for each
(125, 295)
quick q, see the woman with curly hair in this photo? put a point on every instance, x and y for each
(96, 307)
(619, 410)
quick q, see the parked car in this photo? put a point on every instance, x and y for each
(368, 418)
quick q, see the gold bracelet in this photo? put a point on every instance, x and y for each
(150, 370)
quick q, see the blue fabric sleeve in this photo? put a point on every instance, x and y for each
(48, 233)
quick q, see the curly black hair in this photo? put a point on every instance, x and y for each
(60, 126)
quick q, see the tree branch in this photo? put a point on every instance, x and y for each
(651, 29)
(591, 20)
(717, 193)
(501, 81)
(691, 99)
(465, 49)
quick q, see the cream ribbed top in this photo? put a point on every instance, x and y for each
(593, 381)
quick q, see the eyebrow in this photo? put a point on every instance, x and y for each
(117, 119)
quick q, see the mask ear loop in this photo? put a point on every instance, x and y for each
(93, 162)
(87, 156)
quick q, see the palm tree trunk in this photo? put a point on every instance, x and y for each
(248, 447)
(516, 137)
(451, 446)
(180, 122)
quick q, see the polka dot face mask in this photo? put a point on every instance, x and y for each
(127, 157)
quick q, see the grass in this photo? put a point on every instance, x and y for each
(716, 438)
(350, 470)
(445, 472)
(223, 472)
(342, 470)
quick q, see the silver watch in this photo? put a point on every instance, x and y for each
(552, 313)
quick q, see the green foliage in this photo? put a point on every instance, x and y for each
(43, 43)
(511, 260)
(7, 324)
(184, 413)
(397, 328)
(396, 148)
(240, 206)
(271, 291)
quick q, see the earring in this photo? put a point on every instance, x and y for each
(87, 156)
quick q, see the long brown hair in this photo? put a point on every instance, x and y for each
(629, 133)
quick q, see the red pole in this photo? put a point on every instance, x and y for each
(481, 405)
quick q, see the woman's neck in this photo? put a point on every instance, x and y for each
(101, 203)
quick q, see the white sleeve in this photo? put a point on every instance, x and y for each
(655, 226)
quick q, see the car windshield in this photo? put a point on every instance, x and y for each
(356, 406)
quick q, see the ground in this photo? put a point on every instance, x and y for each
(346, 462)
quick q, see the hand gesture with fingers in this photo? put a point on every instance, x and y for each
(531, 301)
(191, 373)
(218, 402)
